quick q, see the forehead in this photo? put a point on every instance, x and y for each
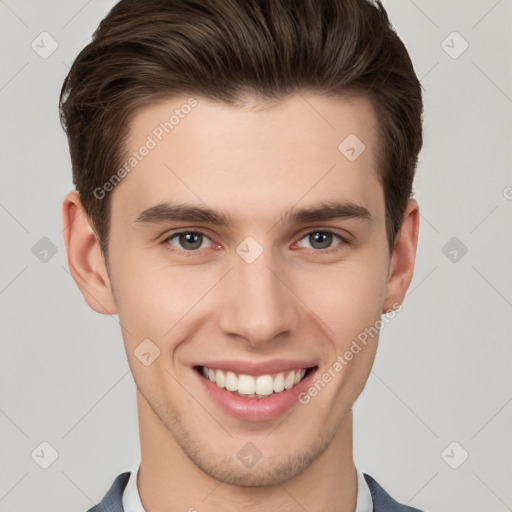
(259, 157)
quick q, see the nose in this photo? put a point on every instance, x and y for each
(257, 304)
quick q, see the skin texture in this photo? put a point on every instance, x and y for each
(295, 301)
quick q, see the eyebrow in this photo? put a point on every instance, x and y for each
(330, 210)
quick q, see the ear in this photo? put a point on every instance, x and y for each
(401, 266)
(85, 259)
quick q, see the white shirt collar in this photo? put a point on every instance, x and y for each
(364, 501)
(131, 496)
(132, 503)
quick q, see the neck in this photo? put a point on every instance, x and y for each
(168, 480)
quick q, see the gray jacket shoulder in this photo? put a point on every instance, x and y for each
(382, 501)
(113, 500)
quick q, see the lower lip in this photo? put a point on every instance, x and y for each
(256, 409)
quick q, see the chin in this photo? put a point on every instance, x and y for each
(278, 469)
(278, 462)
(263, 474)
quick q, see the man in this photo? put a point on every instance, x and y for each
(244, 172)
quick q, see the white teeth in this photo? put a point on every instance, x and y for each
(299, 375)
(231, 381)
(289, 381)
(246, 385)
(254, 387)
(279, 383)
(264, 385)
(219, 379)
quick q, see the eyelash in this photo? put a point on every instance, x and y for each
(194, 252)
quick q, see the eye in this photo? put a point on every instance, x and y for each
(321, 240)
(192, 241)
(187, 241)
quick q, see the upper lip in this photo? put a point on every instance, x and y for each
(255, 369)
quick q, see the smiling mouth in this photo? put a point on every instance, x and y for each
(250, 386)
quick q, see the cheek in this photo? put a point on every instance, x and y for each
(154, 298)
(140, 297)
(348, 298)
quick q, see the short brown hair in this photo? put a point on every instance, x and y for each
(145, 51)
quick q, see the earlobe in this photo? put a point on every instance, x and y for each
(85, 259)
(403, 257)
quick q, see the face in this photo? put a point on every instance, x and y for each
(247, 253)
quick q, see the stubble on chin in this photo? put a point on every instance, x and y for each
(227, 468)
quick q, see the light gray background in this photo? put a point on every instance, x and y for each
(442, 371)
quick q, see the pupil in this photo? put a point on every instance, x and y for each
(323, 238)
(188, 239)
